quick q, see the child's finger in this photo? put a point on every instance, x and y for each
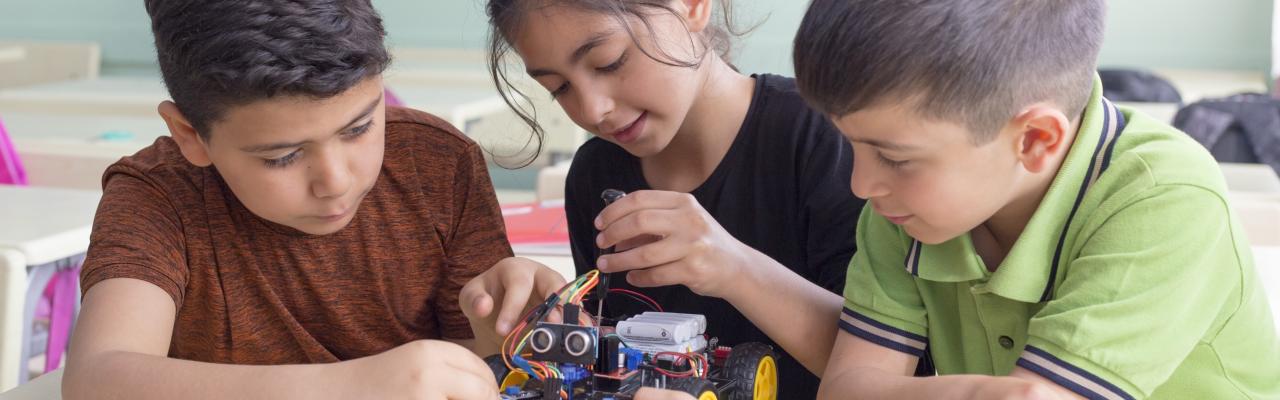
(648, 393)
(548, 282)
(662, 275)
(639, 200)
(516, 290)
(641, 223)
(475, 301)
(664, 251)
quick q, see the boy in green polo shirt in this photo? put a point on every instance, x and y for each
(1023, 230)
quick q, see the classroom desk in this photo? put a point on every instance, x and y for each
(43, 230)
(9, 53)
(46, 387)
(49, 386)
(72, 150)
(116, 96)
(135, 96)
(1250, 178)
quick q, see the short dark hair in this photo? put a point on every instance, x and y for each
(506, 17)
(218, 54)
(974, 62)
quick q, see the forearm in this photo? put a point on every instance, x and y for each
(871, 383)
(797, 314)
(129, 375)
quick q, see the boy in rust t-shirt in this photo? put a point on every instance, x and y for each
(293, 237)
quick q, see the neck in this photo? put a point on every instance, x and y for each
(1007, 224)
(709, 128)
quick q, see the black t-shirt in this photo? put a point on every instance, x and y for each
(783, 189)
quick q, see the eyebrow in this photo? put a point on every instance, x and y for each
(262, 148)
(885, 145)
(591, 43)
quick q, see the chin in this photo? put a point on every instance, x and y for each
(930, 237)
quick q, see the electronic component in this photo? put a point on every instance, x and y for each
(563, 343)
(663, 328)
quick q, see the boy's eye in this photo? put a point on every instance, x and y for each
(891, 163)
(283, 161)
(359, 130)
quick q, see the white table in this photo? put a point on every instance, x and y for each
(1251, 178)
(39, 228)
(10, 53)
(131, 96)
(72, 150)
(1267, 261)
(46, 387)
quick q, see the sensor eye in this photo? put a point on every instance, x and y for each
(542, 340)
(577, 343)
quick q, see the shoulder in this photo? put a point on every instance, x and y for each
(1150, 156)
(420, 129)
(161, 166)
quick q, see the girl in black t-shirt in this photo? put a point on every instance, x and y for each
(739, 206)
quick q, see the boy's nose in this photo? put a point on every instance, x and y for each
(865, 185)
(331, 178)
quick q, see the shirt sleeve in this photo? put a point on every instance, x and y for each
(882, 303)
(830, 209)
(477, 242)
(579, 216)
(1154, 278)
(137, 234)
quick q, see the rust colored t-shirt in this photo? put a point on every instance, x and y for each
(249, 291)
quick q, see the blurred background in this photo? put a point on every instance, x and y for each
(79, 86)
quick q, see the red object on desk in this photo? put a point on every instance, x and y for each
(537, 228)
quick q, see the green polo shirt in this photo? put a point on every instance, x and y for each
(1131, 280)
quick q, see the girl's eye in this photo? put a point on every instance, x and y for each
(622, 60)
(283, 161)
(564, 87)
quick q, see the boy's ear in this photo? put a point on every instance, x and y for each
(188, 140)
(1043, 134)
(697, 14)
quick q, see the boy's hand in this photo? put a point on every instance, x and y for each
(1011, 388)
(518, 282)
(675, 243)
(649, 393)
(424, 369)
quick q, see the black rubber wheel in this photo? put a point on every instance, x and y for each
(697, 387)
(741, 367)
(498, 367)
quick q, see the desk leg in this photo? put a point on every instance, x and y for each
(13, 291)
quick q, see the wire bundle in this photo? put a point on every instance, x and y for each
(513, 347)
(698, 365)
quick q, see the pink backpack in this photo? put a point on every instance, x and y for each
(11, 172)
(57, 304)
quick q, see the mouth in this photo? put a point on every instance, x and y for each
(895, 219)
(631, 132)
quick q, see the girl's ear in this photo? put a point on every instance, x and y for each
(697, 13)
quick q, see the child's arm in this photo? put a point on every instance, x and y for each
(695, 251)
(123, 335)
(860, 369)
(770, 295)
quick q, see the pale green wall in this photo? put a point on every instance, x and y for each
(1232, 34)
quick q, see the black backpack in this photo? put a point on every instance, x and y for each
(1137, 86)
(1243, 128)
